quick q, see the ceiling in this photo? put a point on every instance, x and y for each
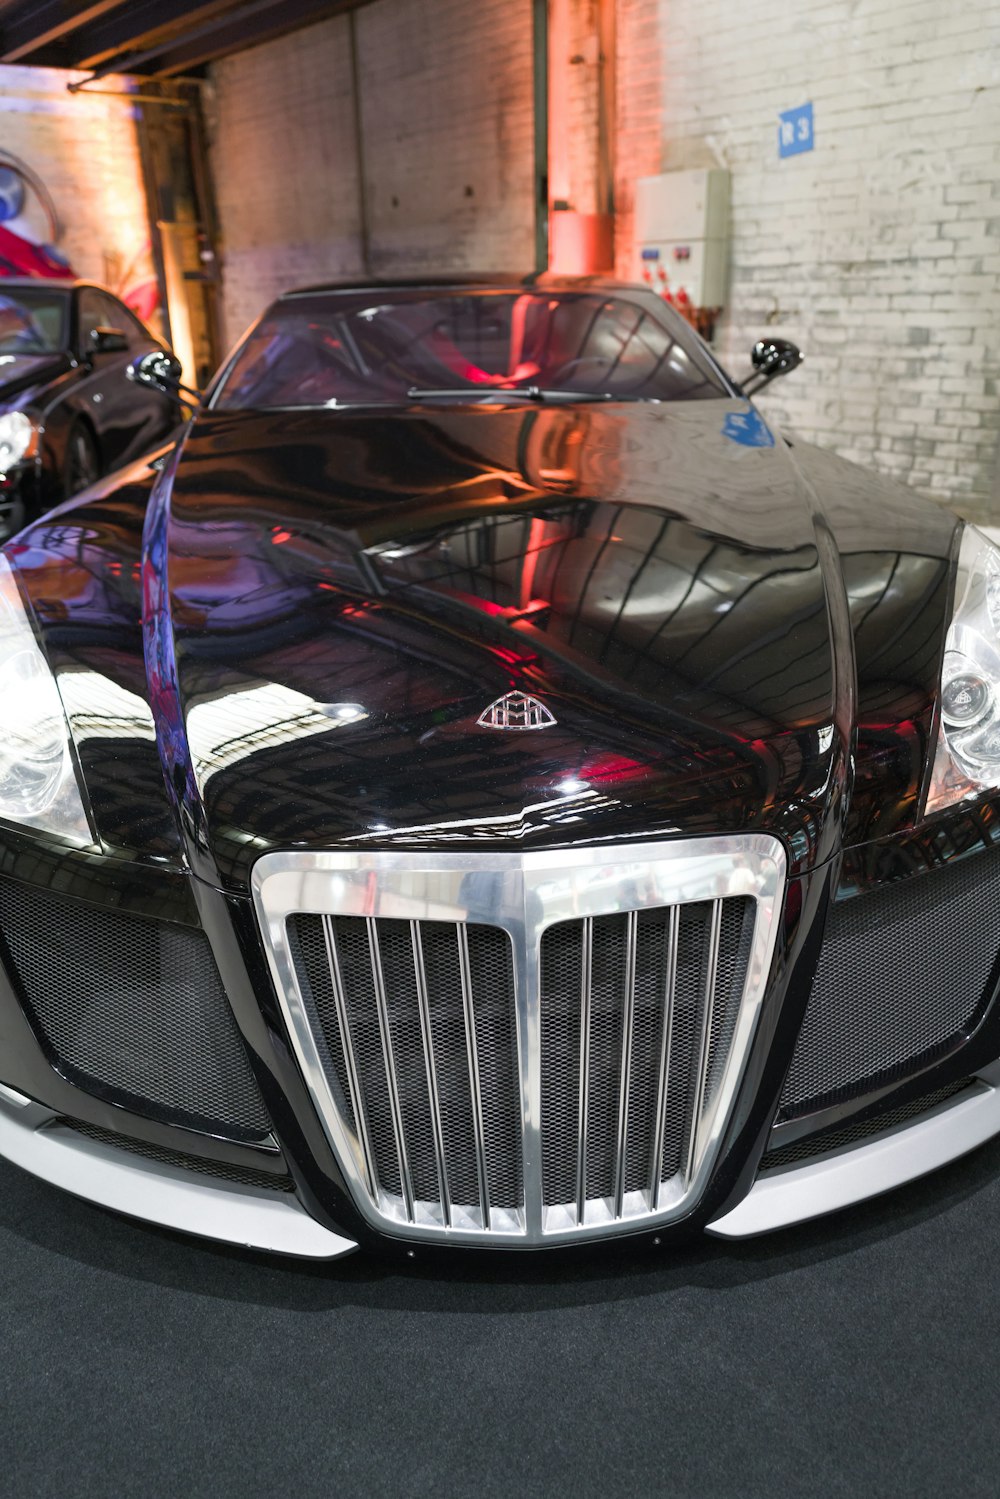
(159, 38)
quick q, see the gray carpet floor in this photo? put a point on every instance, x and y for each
(856, 1356)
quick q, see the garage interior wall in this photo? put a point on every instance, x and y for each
(445, 108)
(85, 152)
(878, 252)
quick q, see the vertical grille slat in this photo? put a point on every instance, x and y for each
(628, 1024)
(707, 1024)
(475, 1086)
(472, 1052)
(663, 1071)
(492, 978)
(388, 1055)
(355, 1095)
(586, 961)
(427, 1041)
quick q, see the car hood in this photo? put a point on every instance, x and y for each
(352, 597)
(21, 375)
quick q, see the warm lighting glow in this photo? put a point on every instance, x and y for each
(181, 337)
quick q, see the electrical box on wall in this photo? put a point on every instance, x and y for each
(682, 236)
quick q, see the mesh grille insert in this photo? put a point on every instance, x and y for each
(853, 1134)
(131, 1009)
(904, 974)
(246, 1176)
(417, 1034)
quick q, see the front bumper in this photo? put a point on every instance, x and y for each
(126, 1151)
(885, 1159)
(169, 1196)
(155, 1191)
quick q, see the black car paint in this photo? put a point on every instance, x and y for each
(318, 551)
(77, 387)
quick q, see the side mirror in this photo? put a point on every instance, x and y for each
(108, 341)
(771, 357)
(158, 370)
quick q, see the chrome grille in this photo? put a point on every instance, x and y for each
(528, 1047)
(637, 1013)
(417, 1033)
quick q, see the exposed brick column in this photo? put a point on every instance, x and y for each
(642, 81)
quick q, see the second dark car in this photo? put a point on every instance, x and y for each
(67, 415)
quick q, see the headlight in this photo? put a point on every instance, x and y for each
(967, 759)
(38, 785)
(18, 439)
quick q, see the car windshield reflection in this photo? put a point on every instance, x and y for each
(339, 349)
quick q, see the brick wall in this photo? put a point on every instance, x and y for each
(284, 167)
(447, 103)
(446, 138)
(879, 251)
(574, 100)
(639, 140)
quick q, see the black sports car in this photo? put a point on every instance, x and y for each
(490, 789)
(66, 413)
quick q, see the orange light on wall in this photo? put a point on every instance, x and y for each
(580, 123)
(580, 243)
(181, 338)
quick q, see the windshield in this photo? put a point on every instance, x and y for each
(31, 322)
(387, 348)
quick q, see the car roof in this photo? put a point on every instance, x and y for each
(504, 281)
(45, 283)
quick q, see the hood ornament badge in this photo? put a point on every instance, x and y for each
(516, 710)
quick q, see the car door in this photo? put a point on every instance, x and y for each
(126, 418)
(153, 416)
(104, 404)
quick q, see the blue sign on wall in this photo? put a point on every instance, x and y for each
(795, 130)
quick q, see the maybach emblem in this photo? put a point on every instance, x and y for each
(516, 710)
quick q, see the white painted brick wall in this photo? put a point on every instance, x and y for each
(878, 252)
(284, 166)
(447, 103)
(447, 125)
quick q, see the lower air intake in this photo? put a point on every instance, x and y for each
(498, 1048)
(131, 1010)
(904, 975)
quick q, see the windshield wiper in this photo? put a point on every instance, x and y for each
(520, 393)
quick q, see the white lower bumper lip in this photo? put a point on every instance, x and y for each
(794, 1194)
(31, 1137)
(255, 1218)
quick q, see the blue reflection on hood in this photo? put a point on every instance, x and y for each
(748, 428)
